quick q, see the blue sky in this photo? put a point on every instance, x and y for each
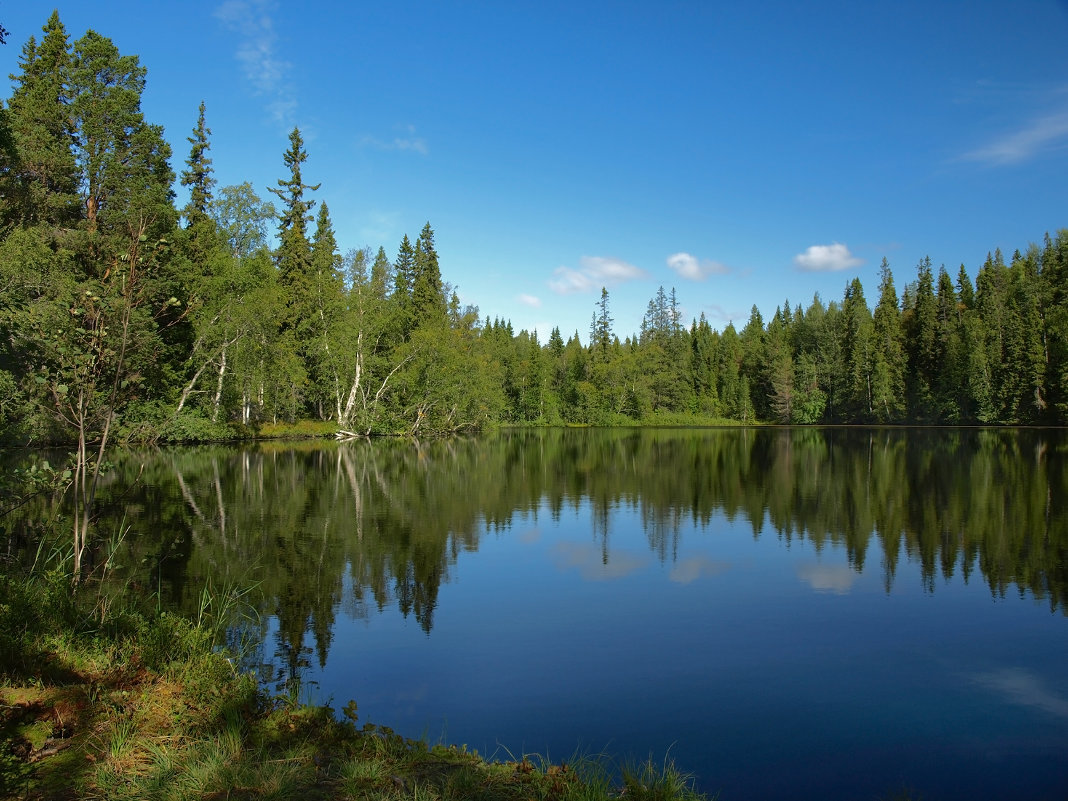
(743, 153)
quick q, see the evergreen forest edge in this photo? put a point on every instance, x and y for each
(123, 315)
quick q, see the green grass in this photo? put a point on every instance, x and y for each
(301, 429)
(101, 700)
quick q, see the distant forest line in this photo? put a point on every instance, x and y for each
(123, 314)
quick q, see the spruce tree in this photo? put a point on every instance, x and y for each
(921, 346)
(601, 327)
(380, 274)
(294, 251)
(198, 173)
(857, 355)
(888, 373)
(703, 375)
(321, 355)
(757, 391)
(947, 377)
(991, 306)
(403, 278)
(203, 241)
(428, 300)
(295, 276)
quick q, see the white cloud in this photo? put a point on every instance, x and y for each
(595, 272)
(568, 281)
(1040, 135)
(529, 300)
(691, 268)
(612, 271)
(407, 141)
(257, 53)
(415, 145)
(827, 258)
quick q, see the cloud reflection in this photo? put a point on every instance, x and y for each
(1019, 686)
(687, 570)
(590, 564)
(530, 536)
(828, 578)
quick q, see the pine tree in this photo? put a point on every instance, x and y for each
(85, 329)
(43, 175)
(126, 176)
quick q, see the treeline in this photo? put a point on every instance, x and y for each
(122, 312)
(946, 351)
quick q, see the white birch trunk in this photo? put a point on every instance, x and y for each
(219, 385)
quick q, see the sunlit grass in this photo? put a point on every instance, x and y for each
(112, 702)
(648, 781)
(298, 429)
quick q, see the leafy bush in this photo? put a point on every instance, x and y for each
(192, 426)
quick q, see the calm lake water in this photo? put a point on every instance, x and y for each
(786, 613)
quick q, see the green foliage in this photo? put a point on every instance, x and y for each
(198, 176)
(148, 709)
(193, 426)
(649, 782)
(113, 315)
(242, 218)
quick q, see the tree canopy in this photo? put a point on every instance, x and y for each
(122, 313)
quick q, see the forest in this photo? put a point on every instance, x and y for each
(124, 316)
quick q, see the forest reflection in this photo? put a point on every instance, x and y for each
(320, 528)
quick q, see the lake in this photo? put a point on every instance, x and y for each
(786, 613)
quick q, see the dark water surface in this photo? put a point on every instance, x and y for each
(786, 613)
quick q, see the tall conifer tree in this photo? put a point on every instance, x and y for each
(428, 299)
(888, 373)
(198, 173)
(43, 173)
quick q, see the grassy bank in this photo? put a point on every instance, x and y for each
(101, 700)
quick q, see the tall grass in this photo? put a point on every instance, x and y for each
(153, 707)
